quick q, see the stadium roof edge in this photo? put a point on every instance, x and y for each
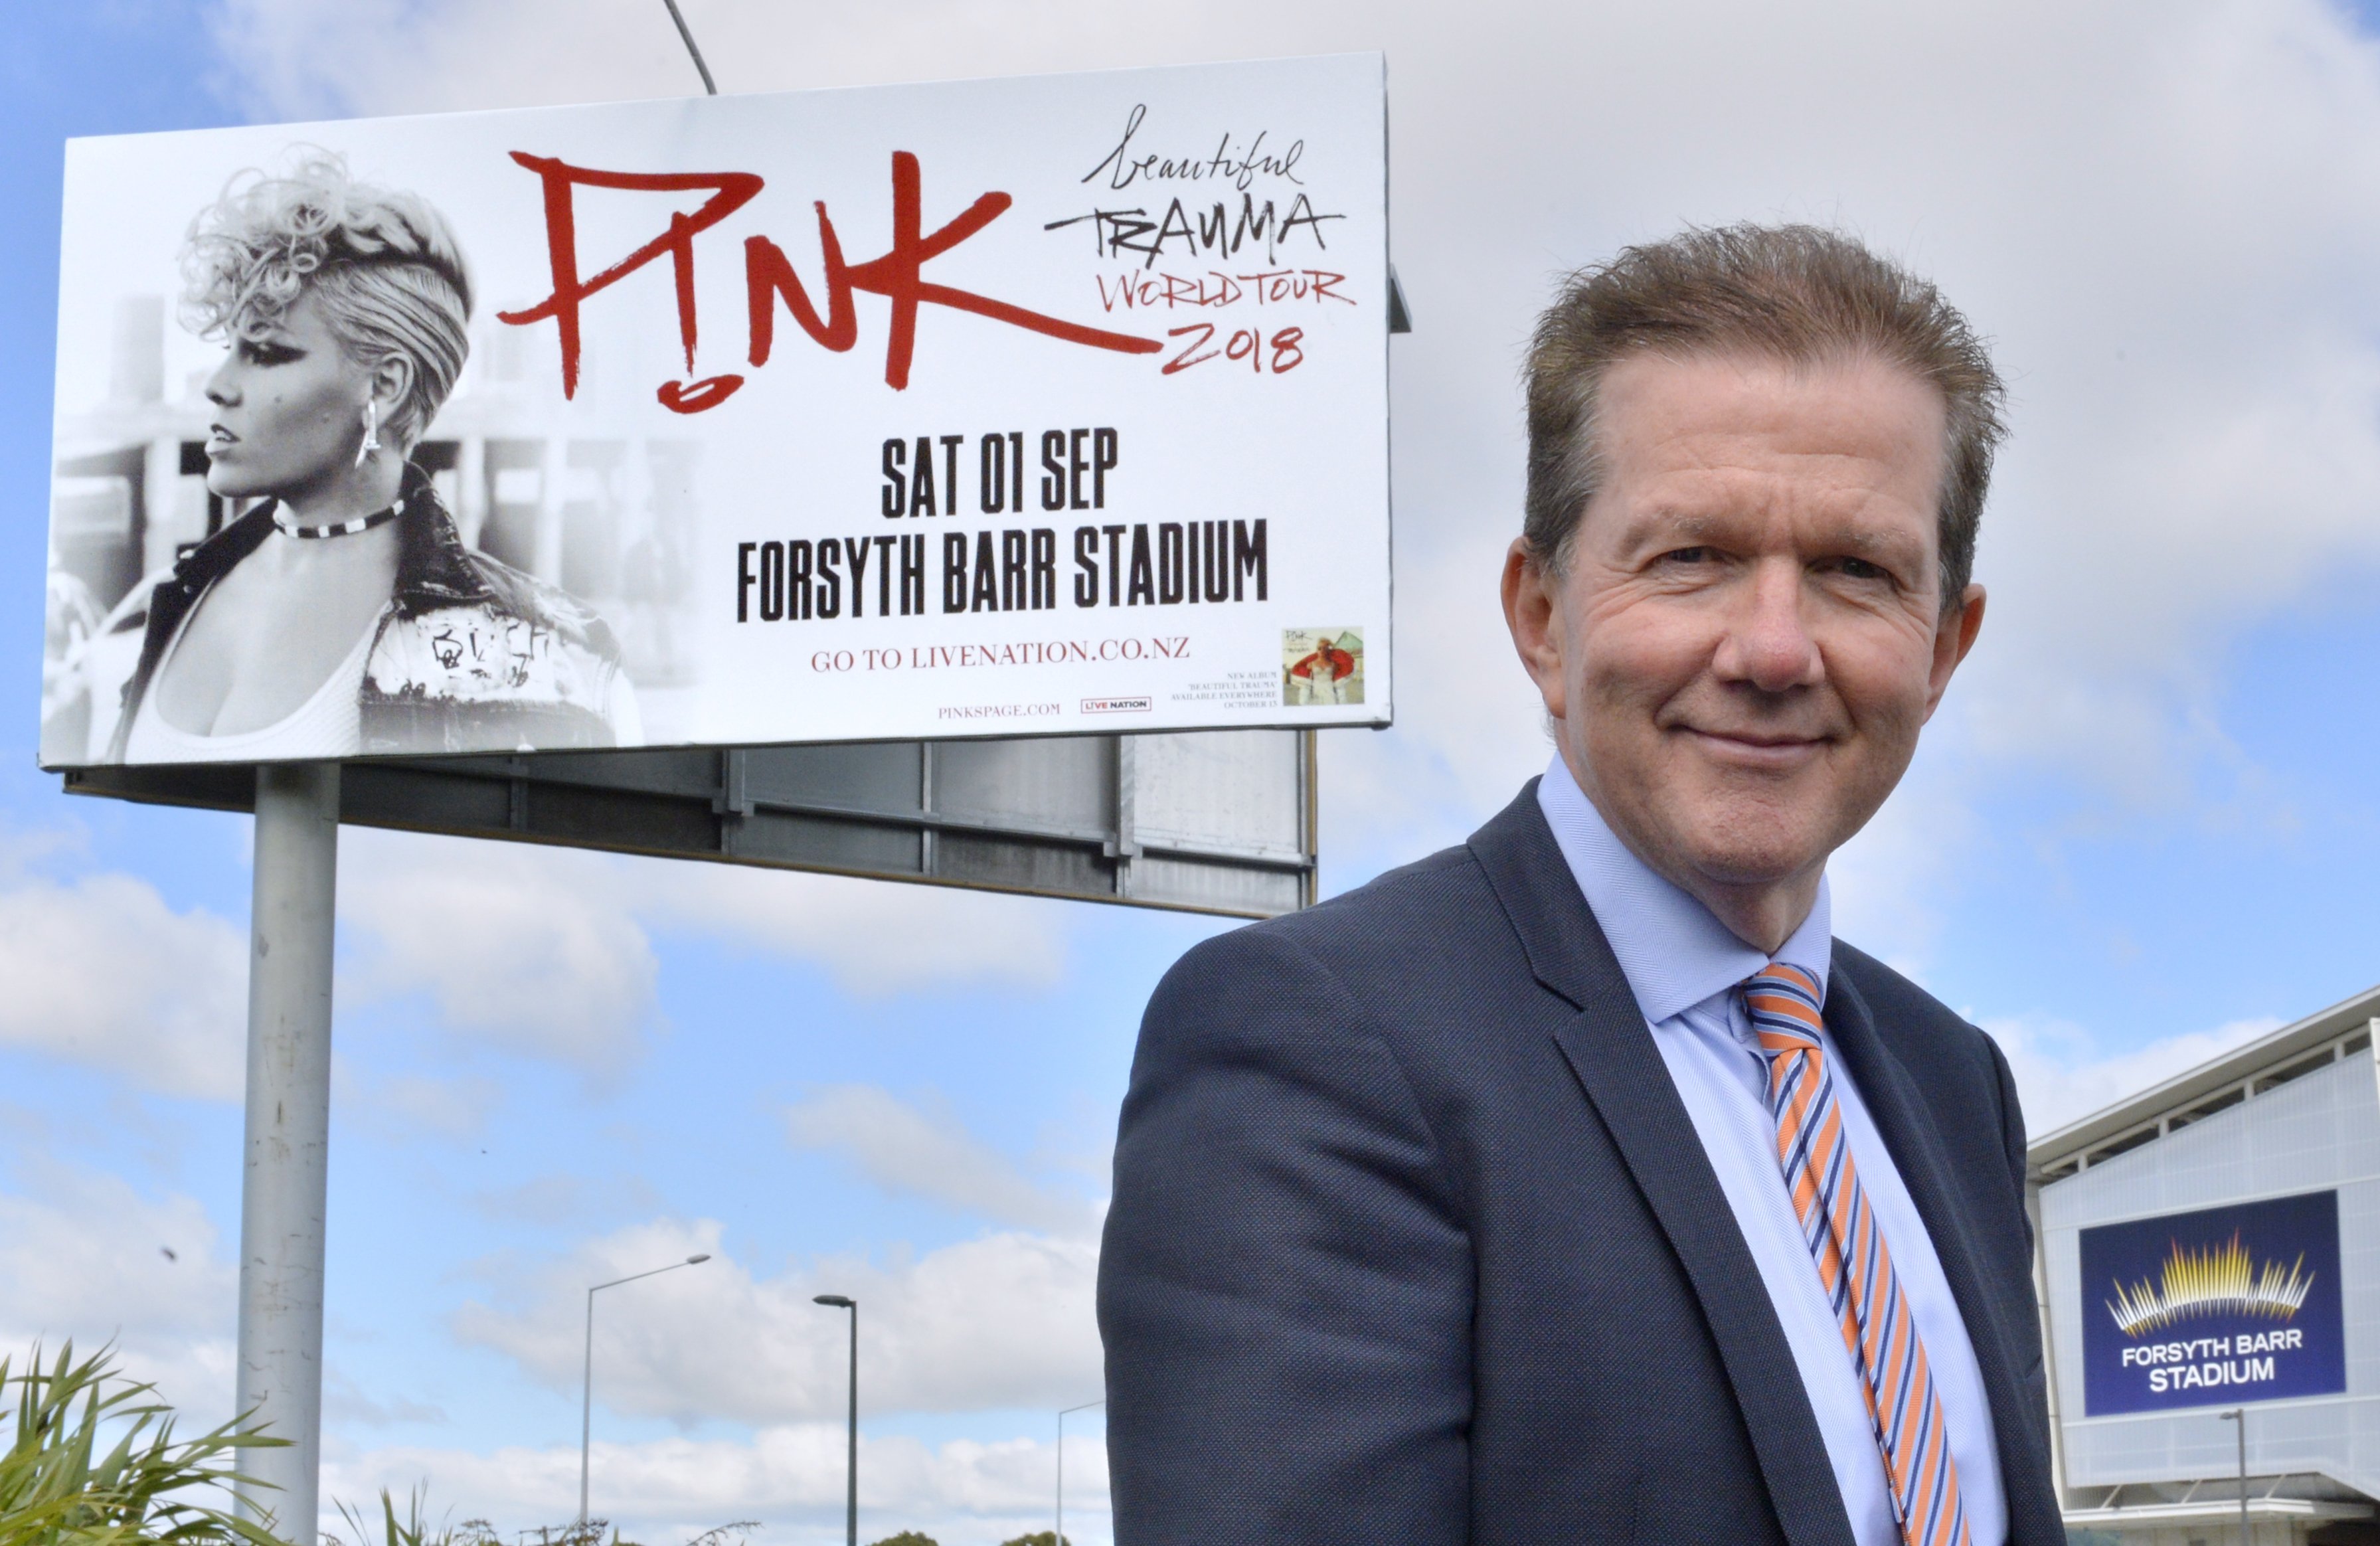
(2187, 1092)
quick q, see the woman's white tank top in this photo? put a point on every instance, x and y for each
(326, 726)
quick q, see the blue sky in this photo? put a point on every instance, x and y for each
(2143, 826)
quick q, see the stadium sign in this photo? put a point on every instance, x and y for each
(2214, 1308)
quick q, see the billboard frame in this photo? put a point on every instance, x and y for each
(739, 806)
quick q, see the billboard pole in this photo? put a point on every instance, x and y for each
(288, 1132)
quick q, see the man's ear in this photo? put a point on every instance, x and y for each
(1954, 637)
(1532, 611)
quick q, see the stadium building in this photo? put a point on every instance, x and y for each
(2212, 1246)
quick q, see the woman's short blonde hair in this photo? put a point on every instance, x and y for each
(382, 266)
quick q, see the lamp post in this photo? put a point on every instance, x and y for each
(2239, 1416)
(1061, 1532)
(587, 1376)
(851, 1504)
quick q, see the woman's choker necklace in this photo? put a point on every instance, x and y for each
(342, 529)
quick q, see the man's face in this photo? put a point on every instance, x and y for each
(1750, 630)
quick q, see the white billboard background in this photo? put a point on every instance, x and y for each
(1256, 400)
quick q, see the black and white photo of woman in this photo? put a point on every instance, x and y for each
(342, 614)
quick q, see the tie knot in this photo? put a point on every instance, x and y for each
(1784, 1004)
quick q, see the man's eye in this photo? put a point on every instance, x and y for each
(1687, 555)
(1860, 568)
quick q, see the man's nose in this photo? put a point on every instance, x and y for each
(1768, 642)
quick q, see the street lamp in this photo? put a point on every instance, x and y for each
(851, 1507)
(2239, 1416)
(1085, 1406)
(587, 1377)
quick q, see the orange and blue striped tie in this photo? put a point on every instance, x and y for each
(1853, 1265)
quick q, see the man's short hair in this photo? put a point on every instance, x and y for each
(1797, 292)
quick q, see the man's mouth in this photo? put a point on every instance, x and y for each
(1773, 749)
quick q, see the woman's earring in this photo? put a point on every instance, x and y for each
(372, 431)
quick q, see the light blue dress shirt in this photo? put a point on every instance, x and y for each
(1684, 966)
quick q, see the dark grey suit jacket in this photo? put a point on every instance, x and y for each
(1413, 1241)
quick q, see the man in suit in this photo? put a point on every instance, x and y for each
(1573, 1185)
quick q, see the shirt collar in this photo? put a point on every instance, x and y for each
(1674, 952)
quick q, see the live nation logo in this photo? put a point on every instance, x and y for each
(1136, 705)
(2219, 1306)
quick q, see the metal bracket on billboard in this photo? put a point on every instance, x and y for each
(1216, 822)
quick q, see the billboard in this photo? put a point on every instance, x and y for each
(1044, 406)
(2214, 1308)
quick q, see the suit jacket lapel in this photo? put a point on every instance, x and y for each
(1610, 1049)
(1893, 1102)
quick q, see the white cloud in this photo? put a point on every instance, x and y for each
(1002, 1320)
(791, 1476)
(84, 1256)
(876, 939)
(905, 1149)
(2062, 1074)
(543, 952)
(531, 950)
(549, 952)
(104, 972)
(1887, 883)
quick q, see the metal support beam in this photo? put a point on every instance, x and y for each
(282, 1194)
(1124, 847)
(1219, 822)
